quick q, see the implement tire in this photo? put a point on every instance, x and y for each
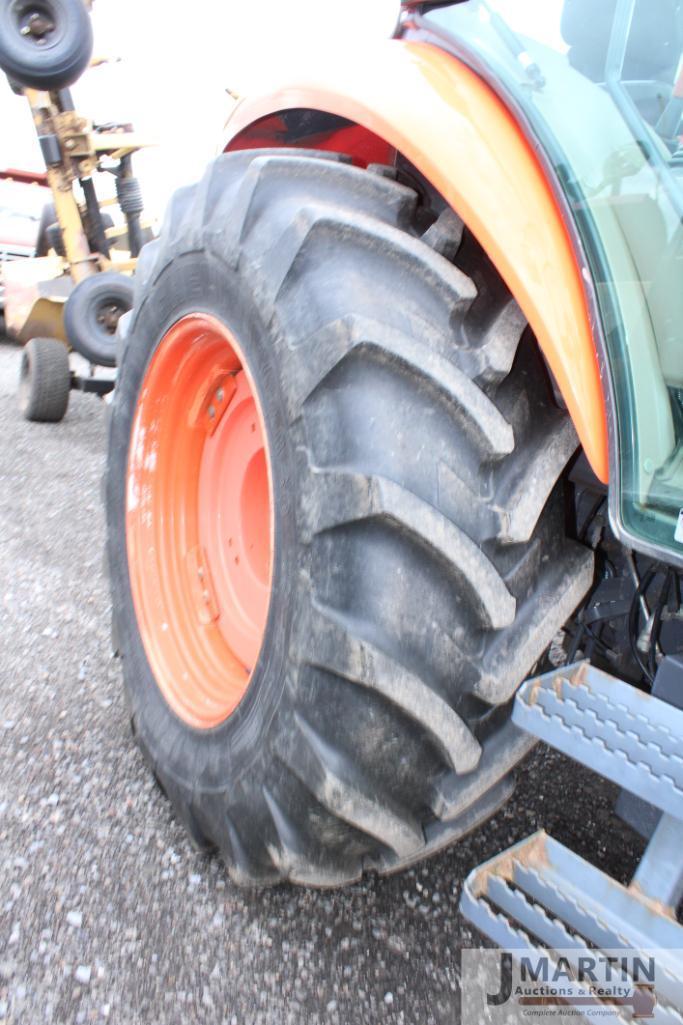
(410, 532)
(91, 312)
(44, 380)
(45, 44)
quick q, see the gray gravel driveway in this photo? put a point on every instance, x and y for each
(106, 912)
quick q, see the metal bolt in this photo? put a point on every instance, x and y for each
(212, 412)
(37, 26)
(219, 395)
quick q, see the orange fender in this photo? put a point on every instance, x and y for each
(419, 100)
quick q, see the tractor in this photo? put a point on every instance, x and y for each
(395, 470)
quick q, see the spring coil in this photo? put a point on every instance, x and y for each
(129, 195)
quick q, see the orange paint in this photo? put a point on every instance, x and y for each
(447, 122)
(199, 520)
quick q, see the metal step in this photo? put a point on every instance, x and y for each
(539, 897)
(606, 724)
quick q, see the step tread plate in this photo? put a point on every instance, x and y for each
(624, 734)
(539, 894)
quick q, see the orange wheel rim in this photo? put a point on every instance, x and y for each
(199, 520)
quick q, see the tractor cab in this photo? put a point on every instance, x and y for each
(599, 88)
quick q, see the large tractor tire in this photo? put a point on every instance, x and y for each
(336, 528)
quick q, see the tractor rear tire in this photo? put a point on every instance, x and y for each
(420, 563)
(45, 380)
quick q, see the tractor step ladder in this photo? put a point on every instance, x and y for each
(538, 895)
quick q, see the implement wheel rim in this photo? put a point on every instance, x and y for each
(199, 520)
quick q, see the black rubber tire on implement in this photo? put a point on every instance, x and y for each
(45, 241)
(15, 86)
(45, 380)
(50, 233)
(421, 566)
(86, 334)
(57, 59)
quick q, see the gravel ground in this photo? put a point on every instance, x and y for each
(106, 912)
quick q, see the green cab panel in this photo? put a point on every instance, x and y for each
(600, 85)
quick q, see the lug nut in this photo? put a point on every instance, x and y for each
(37, 26)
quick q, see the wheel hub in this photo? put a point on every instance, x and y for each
(199, 520)
(38, 26)
(109, 315)
(36, 23)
